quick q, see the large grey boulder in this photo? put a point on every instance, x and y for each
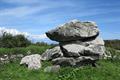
(85, 60)
(32, 61)
(74, 30)
(80, 61)
(96, 41)
(64, 61)
(50, 54)
(72, 50)
(76, 50)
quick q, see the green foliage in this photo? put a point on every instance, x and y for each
(10, 41)
(41, 44)
(113, 44)
(106, 71)
(13, 71)
(37, 49)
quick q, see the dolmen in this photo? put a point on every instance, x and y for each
(79, 44)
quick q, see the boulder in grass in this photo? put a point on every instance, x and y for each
(32, 61)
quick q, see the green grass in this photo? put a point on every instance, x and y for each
(34, 50)
(13, 71)
(107, 70)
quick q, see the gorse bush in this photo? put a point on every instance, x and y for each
(10, 41)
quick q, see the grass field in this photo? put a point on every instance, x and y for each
(23, 50)
(106, 70)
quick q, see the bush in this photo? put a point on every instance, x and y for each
(113, 44)
(10, 41)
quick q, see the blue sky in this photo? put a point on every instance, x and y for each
(38, 16)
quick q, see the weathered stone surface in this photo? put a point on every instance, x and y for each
(79, 44)
(84, 60)
(4, 59)
(32, 61)
(74, 30)
(77, 50)
(98, 49)
(96, 41)
(52, 53)
(80, 61)
(64, 61)
(54, 68)
(72, 50)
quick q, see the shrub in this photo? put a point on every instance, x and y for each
(10, 41)
(113, 44)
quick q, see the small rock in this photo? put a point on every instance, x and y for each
(13, 57)
(54, 68)
(19, 55)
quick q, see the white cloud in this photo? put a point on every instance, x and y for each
(21, 11)
(16, 32)
(42, 36)
(36, 7)
(12, 31)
